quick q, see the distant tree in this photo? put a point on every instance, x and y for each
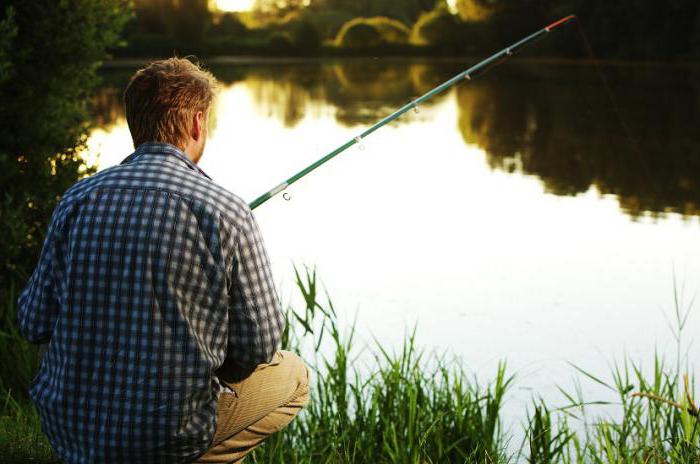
(476, 10)
(305, 36)
(8, 31)
(190, 20)
(438, 27)
(359, 34)
(279, 41)
(151, 16)
(406, 11)
(186, 21)
(229, 24)
(279, 8)
(49, 54)
(372, 32)
(696, 34)
(328, 22)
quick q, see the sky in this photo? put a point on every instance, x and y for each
(234, 5)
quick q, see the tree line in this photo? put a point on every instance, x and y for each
(616, 29)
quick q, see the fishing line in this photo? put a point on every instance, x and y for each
(608, 89)
(631, 140)
(468, 74)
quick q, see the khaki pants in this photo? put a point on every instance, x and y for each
(260, 405)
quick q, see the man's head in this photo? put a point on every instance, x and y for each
(168, 101)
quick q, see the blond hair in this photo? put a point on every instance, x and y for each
(162, 99)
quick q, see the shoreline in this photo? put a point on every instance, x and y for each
(248, 60)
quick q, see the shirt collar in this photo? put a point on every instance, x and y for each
(151, 150)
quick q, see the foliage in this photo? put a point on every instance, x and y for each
(406, 11)
(20, 359)
(185, 21)
(328, 22)
(21, 439)
(627, 29)
(48, 75)
(372, 32)
(300, 31)
(8, 31)
(546, 442)
(476, 10)
(438, 27)
(228, 24)
(304, 34)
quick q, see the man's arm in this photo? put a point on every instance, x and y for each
(37, 305)
(256, 320)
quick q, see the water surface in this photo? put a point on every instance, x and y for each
(524, 216)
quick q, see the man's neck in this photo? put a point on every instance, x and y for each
(193, 152)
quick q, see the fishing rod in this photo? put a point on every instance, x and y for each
(468, 74)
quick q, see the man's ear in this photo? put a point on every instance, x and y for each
(197, 126)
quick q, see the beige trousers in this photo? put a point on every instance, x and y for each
(260, 405)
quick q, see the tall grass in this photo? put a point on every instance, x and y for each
(21, 439)
(402, 408)
(19, 359)
(411, 407)
(656, 414)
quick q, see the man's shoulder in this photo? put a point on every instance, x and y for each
(229, 204)
(191, 186)
(80, 190)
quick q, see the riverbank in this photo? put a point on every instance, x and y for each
(407, 406)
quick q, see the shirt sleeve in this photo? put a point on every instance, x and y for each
(256, 321)
(37, 305)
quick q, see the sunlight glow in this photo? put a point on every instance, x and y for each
(235, 5)
(452, 5)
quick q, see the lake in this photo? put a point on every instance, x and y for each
(536, 214)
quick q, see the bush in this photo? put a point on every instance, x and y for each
(49, 54)
(305, 36)
(372, 32)
(229, 24)
(148, 44)
(328, 22)
(279, 41)
(474, 11)
(438, 27)
(43, 124)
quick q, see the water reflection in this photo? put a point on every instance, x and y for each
(552, 121)
(107, 108)
(641, 145)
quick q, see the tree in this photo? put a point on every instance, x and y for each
(229, 24)
(475, 10)
(438, 27)
(372, 32)
(280, 8)
(696, 35)
(406, 11)
(305, 35)
(186, 21)
(190, 20)
(49, 54)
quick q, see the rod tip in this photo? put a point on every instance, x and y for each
(561, 22)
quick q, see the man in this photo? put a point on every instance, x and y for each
(154, 297)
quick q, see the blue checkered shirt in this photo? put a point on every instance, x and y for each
(150, 276)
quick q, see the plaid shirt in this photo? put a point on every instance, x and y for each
(150, 276)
